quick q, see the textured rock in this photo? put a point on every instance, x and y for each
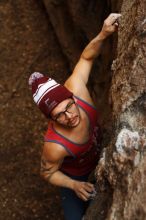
(123, 162)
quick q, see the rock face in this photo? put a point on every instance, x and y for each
(48, 36)
(121, 170)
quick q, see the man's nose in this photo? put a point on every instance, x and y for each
(68, 114)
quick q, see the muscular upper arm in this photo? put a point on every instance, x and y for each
(51, 159)
(81, 71)
(78, 80)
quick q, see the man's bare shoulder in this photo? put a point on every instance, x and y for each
(53, 151)
(79, 89)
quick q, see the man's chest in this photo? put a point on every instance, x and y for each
(81, 133)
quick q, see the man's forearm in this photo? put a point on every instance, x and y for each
(92, 50)
(81, 188)
(59, 179)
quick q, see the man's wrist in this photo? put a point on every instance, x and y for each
(71, 184)
(102, 36)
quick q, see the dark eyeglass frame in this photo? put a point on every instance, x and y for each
(68, 106)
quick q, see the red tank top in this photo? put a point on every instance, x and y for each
(83, 157)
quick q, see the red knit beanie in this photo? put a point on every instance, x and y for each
(47, 93)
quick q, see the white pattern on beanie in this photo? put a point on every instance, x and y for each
(34, 76)
(43, 89)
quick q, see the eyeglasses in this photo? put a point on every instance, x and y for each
(61, 116)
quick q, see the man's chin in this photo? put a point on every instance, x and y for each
(74, 123)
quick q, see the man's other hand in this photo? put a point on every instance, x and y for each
(83, 189)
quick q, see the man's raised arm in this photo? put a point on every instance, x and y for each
(92, 50)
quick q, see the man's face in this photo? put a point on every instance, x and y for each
(66, 113)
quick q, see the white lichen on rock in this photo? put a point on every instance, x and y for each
(127, 140)
(100, 169)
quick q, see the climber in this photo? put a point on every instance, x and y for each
(72, 142)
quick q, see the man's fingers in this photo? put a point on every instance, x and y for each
(90, 187)
(115, 15)
(112, 18)
(85, 194)
(84, 198)
(83, 189)
(116, 23)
